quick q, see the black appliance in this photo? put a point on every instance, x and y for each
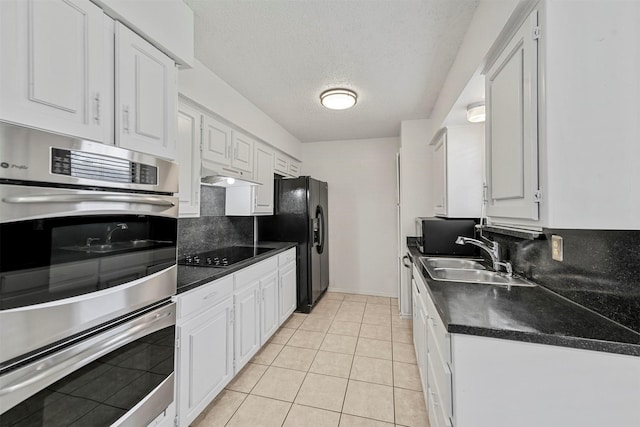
(300, 216)
(222, 257)
(437, 236)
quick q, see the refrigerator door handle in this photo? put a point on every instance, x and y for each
(321, 228)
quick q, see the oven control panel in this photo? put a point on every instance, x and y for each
(80, 164)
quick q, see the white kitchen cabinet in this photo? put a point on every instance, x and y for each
(243, 200)
(457, 171)
(205, 346)
(270, 313)
(511, 86)
(281, 163)
(477, 381)
(294, 168)
(189, 159)
(216, 141)
(242, 156)
(145, 96)
(54, 66)
(206, 358)
(439, 173)
(420, 331)
(256, 305)
(287, 279)
(226, 151)
(247, 322)
(263, 173)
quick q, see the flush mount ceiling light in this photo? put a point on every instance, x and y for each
(338, 99)
(476, 112)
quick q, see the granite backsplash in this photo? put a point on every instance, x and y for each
(212, 229)
(600, 270)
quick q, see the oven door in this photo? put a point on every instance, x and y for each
(121, 375)
(71, 260)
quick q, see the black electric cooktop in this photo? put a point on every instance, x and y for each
(222, 257)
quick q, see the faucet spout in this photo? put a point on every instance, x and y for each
(492, 248)
(118, 226)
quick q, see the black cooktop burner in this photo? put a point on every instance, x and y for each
(222, 257)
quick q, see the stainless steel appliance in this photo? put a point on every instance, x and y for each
(301, 216)
(87, 249)
(437, 236)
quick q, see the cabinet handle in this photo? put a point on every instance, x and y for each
(211, 295)
(235, 153)
(97, 110)
(125, 118)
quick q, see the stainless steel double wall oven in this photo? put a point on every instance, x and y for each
(87, 270)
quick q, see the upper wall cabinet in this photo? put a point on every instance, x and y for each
(254, 199)
(285, 165)
(53, 65)
(512, 127)
(230, 151)
(562, 110)
(457, 171)
(146, 96)
(188, 158)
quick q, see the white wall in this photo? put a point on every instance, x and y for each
(204, 87)
(362, 212)
(488, 20)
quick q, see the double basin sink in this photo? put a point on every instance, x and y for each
(467, 271)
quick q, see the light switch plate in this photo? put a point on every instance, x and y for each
(557, 248)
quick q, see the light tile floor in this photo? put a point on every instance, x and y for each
(350, 363)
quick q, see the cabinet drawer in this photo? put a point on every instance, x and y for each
(437, 330)
(439, 401)
(287, 257)
(204, 296)
(441, 375)
(255, 272)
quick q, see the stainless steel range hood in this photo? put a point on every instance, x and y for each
(221, 176)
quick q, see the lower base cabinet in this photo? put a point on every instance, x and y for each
(223, 324)
(205, 358)
(476, 381)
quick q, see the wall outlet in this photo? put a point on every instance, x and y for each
(557, 248)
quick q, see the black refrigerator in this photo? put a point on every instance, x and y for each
(300, 215)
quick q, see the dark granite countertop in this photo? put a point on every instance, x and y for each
(529, 314)
(192, 277)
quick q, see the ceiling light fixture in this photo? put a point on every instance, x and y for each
(476, 112)
(338, 99)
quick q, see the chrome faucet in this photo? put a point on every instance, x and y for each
(110, 231)
(492, 248)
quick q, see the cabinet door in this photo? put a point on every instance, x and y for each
(242, 156)
(263, 173)
(205, 361)
(247, 323)
(216, 141)
(281, 164)
(146, 96)
(270, 314)
(512, 128)
(189, 142)
(288, 291)
(53, 66)
(439, 176)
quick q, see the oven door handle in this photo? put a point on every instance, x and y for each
(74, 198)
(25, 381)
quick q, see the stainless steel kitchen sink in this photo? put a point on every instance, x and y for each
(115, 246)
(467, 271)
(452, 263)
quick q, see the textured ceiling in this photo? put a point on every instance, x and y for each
(281, 54)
